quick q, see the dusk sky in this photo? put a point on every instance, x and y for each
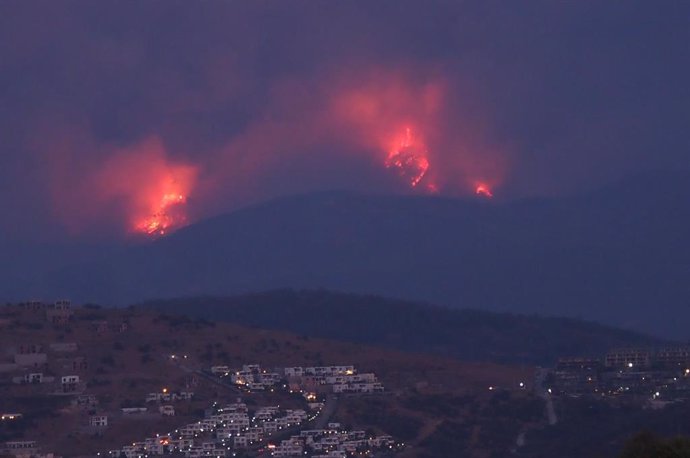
(114, 113)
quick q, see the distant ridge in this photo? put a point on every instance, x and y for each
(618, 255)
(407, 326)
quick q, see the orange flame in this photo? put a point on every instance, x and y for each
(483, 190)
(167, 215)
(410, 158)
(151, 189)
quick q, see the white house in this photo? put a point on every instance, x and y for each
(294, 371)
(167, 410)
(240, 441)
(99, 421)
(69, 383)
(220, 370)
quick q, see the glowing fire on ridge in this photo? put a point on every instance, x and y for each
(144, 186)
(409, 157)
(483, 190)
(168, 214)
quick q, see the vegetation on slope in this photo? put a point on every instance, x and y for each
(648, 445)
(464, 334)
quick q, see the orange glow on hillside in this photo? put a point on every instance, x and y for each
(153, 190)
(168, 214)
(410, 157)
(392, 117)
(408, 130)
(483, 190)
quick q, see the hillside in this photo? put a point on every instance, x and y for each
(618, 255)
(407, 326)
(119, 368)
(440, 407)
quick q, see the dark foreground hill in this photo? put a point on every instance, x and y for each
(619, 255)
(440, 407)
(464, 334)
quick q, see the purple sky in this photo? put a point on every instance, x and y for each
(102, 102)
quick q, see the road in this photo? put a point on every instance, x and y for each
(219, 381)
(322, 419)
(320, 422)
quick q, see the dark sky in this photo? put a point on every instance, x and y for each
(105, 106)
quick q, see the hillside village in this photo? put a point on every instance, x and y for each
(653, 377)
(236, 428)
(87, 381)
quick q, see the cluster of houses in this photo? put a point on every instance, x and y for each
(320, 379)
(251, 376)
(27, 363)
(166, 395)
(233, 427)
(24, 448)
(20, 448)
(334, 442)
(335, 379)
(58, 369)
(98, 422)
(227, 430)
(660, 375)
(50, 369)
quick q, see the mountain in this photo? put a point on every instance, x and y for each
(619, 255)
(411, 327)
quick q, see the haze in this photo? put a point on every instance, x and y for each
(138, 117)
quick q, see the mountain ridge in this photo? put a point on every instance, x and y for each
(468, 335)
(618, 255)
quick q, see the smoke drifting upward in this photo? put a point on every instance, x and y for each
(128, 118)
(415, 132)
(152, 189)
(328, 131)
(134, 190)
(386, 123)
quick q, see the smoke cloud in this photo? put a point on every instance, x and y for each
(125, 118)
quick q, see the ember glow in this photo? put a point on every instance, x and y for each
(409, 157)
(483, 190)
(169, 214)
(150, 188)
(399, 128)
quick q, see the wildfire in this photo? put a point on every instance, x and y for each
(409, 157)
(168, 214)
(483, 190)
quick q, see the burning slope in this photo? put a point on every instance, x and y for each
(483, 190)
(391, 116)
(385, 120)
(169, 214)
(410, 158)
(151, 189)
